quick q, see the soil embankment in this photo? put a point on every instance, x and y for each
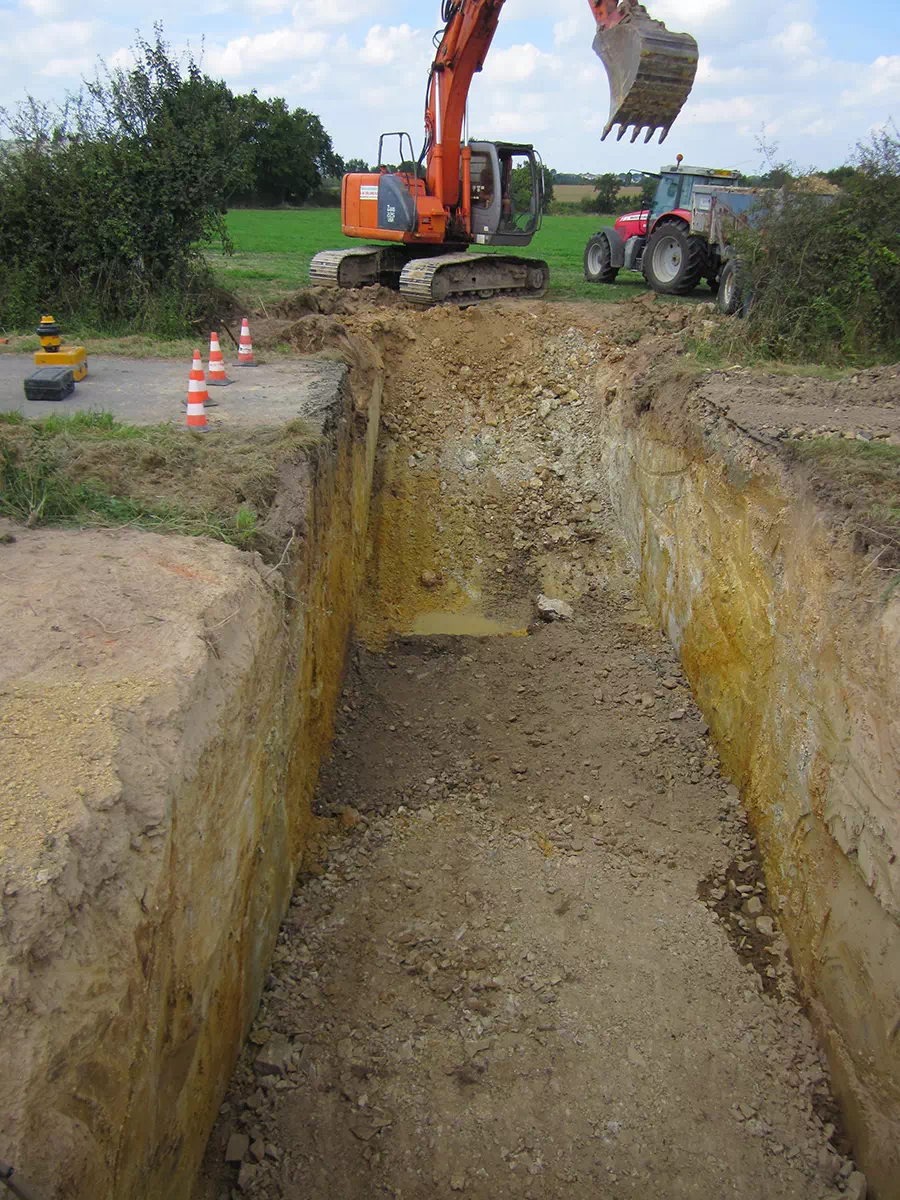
(165, 705)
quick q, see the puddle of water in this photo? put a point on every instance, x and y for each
(464, 624)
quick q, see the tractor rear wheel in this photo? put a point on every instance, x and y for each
(730, 298)
(674, 261)
(597, 256)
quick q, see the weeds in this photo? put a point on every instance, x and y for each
(823, 272)
(87, 469)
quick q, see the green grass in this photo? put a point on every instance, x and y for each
(273, 249)
(87, 469)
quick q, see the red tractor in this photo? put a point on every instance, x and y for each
(658, 240)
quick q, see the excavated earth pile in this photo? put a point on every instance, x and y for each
(541, 953)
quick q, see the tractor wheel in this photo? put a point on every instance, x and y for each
(730, 298)
(674, 261)
(597, 267)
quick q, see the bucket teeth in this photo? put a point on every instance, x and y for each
(651, 72)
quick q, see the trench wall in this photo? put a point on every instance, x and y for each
(129, 1022)
(798, 675)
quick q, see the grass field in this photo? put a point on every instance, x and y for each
(574, 193)
(273, 249)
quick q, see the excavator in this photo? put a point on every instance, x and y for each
(460, 193)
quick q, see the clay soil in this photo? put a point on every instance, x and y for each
(536, 957)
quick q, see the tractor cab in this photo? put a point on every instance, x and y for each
(672, 196)
(676, 186)
(507, 192)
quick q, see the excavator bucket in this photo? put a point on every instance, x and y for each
(651, 72)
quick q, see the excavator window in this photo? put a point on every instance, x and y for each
(482, 170)
(519, 204)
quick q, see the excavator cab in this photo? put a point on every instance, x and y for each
(507, 193)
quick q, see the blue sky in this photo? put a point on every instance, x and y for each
(803, 72)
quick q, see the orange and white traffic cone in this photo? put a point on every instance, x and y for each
(197, 396)
(245, 348)
(215, 376)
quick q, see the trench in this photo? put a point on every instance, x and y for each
(530, 829)
(554, 940)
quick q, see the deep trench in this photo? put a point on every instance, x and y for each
(535, 954)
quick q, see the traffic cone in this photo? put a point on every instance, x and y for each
(197, 396)
(245, 349)
(216, 376)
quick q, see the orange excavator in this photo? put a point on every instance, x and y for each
(460, 193)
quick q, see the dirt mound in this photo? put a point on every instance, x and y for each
(331, 301)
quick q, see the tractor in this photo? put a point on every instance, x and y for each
(658, 240)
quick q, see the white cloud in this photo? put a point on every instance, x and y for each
(689, 14)
(797, 39)
(878, 82)
(331, 12)
(565, 31)
(384, 46)
(719, 112)
(518, 63)
(46, 8)
(245, 54)
(707, 73)
(74, 67)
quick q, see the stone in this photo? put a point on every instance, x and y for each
(469, 460)
(457, 1183)
(258, 1150)
(677, 714)
(766, 926)
(753, 906)
(350, 817)
(247, 1176)
(275, 1056)
(429, 579)
(857, 1186)
(554, 610)
(238, 1145)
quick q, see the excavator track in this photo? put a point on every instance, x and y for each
(358, 266)
(472, 278)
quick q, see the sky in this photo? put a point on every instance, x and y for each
(803, 76)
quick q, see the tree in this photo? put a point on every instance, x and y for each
(648, 191)
(133, 176)
(356, 166)
(606, 188)
(290, 152)
(520, 187)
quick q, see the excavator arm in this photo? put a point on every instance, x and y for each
(651, 72)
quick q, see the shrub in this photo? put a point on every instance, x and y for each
(104, 203)
(824, 272)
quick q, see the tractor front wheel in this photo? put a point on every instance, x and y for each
(597, 268)
(674, 261)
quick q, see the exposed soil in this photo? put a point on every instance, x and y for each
(503, 982)
(538, 957)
